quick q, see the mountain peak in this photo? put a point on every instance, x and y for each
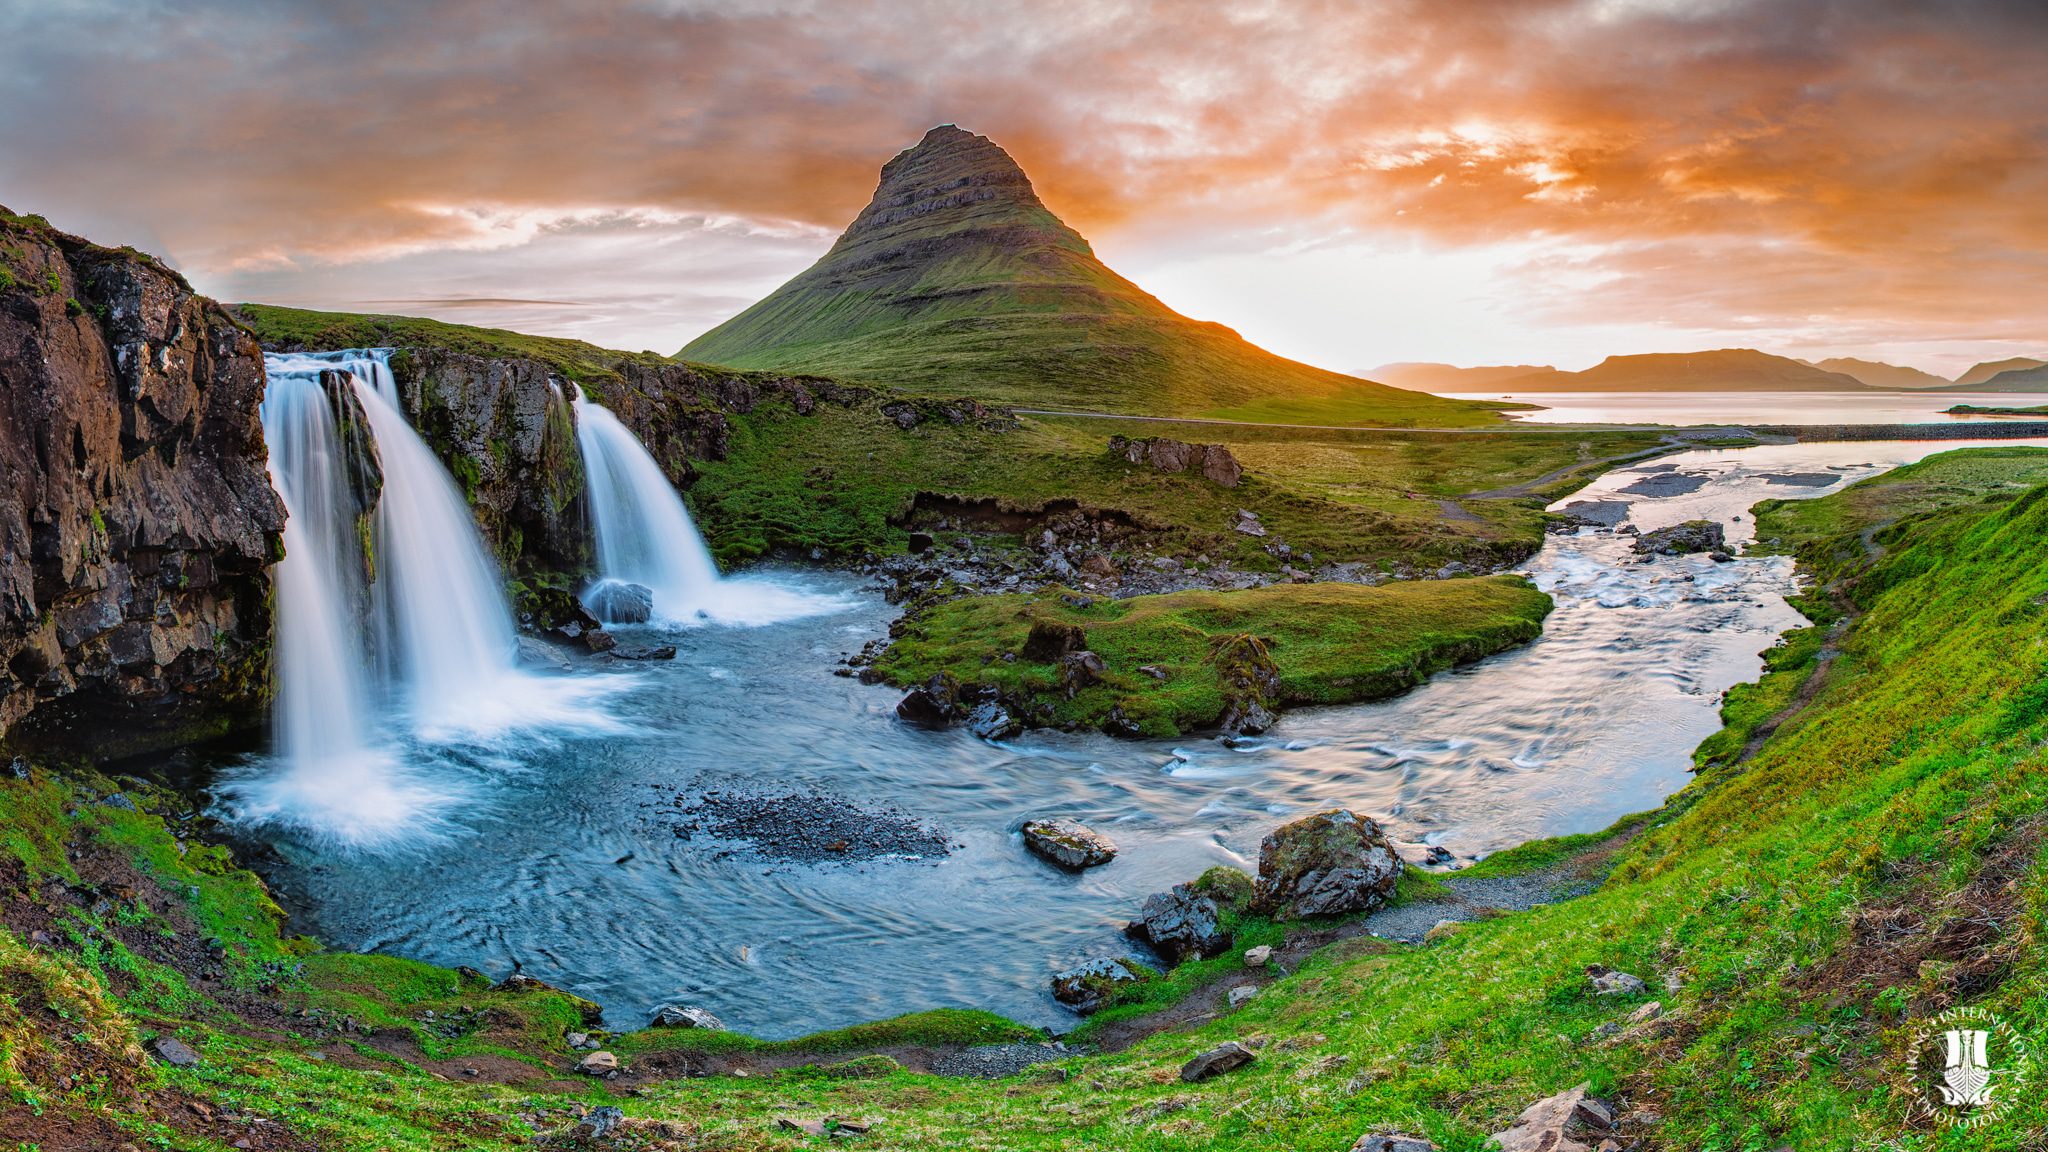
(956, 279)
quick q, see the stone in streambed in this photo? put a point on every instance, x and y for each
(1068, 843)
(1325, 865)
(1681, 539)
(644, 652)
(617, 602)
(685, 1016)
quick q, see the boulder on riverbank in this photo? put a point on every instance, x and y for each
(1325, 865)
(685, 1016)
(1087, 987)
(1682, 539)
(1068, 843)
(1180, 923)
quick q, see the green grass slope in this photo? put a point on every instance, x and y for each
(956, 279)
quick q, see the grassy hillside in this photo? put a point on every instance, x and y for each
(957, 280)
(1797, 915)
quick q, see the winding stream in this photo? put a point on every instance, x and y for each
(567, 863)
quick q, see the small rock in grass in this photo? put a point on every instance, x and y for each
(1257, 957)
(1646, 1013)
(1242, 993)
(1441, 930)
(1392, 1142)
(1226, 1057)
(576, 1039)
(175, 1052)
(599, 1123)
(685, 1016)
(807, 1127)
(1068, 843)
(600, 1064)
(1608, 982)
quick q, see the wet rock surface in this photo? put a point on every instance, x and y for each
(1662, 483)
(1683, 539)
(804, 827)
(1324, 865)
(136, 511)
(1068, 843)
(1180, 924)
(618, 602)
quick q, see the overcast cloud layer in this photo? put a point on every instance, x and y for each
(1352, 182)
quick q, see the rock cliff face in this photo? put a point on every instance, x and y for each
(136, 515)
(504, 429)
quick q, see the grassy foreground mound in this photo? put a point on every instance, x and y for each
(1181, 661)
(1798, 913)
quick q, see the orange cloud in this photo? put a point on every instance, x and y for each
(1882, 163)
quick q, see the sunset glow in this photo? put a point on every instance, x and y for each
(1346, 183)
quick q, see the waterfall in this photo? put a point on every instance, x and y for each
(645, 536)
(371, 678)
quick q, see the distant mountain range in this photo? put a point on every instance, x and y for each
(956, 280)
(1876, 374)
(1722, 370)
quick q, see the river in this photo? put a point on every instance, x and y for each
(565, 859)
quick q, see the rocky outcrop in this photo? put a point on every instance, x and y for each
(505, 430)
(1325, 865)
(1180, 924)
(1212, 461)
(135, 504)
(1680, 539)
(1087, 987)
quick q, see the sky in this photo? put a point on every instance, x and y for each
(1349, 182)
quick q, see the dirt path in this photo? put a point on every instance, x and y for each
(1830, 649)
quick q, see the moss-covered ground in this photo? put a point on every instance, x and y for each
(1167, 656)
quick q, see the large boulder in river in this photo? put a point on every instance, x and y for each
(1680, 539)
(1180, 923)
(618, 602)
(1327, 864)
(1068, 843)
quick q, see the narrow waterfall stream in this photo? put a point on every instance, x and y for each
(645, 537)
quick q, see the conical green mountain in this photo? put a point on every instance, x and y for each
(956, 279)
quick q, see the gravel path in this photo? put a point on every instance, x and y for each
(1470, 898)
(994, 1061)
